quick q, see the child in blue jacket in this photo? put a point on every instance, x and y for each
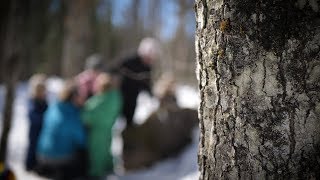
(63, 138)
(37, 105)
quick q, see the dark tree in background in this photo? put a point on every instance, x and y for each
(12, 54)
(78, 35)
(37, 23)
(61, 34)
(182, 63)
(259, 69)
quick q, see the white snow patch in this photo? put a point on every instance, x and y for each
(54, 86)
(187, 96)
(145, 106)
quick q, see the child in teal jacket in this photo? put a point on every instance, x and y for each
(99, 114)
(62, 139)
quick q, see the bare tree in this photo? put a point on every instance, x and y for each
(258, 71)
(182, 50)
(133, 29)
(36, 30)
(78, 35)
(153, 19)
(105, 41)
(12, 52)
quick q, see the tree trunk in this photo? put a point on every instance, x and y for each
(78, 35)
(53, 42)
(11, 54)
(153, 22)
(35, 32)
(10, 85)
(181, 50)
(258, 71)
(133, 29)
(104, 40)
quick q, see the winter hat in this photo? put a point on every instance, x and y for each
(37, 85)
(94, 62)
(149, 47)
(68, 91)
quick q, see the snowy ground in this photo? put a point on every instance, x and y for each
(182, 167)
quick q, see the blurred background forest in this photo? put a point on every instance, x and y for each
(55, 36)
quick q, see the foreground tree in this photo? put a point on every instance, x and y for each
(259, 72)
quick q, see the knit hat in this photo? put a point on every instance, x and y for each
(37, 85)
(149, 47)
(94, 62)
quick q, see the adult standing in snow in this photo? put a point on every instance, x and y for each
(135, 75)
(99, 115)
(85, 79)
(37, 105)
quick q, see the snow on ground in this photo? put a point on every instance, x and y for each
(18, 136)
(182, 167)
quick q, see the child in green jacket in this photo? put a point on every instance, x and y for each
(99, 114)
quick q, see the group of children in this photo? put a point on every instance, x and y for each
(72, 136)
(78, 126)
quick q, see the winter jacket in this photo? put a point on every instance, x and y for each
(36, 109)
(136, 77)
(62, 134)
(99, 115)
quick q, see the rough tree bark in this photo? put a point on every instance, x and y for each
(259, 71)
(78, 35)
